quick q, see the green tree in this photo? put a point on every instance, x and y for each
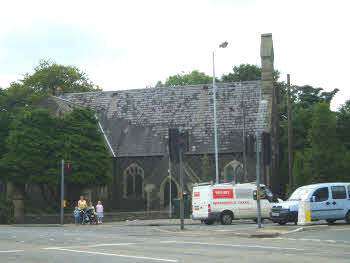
(243, 72)
(322, 159)
(51, 77)
(343, 124)
(84, 145)
(182, 79)
(38, 141)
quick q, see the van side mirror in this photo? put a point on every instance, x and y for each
(255, 195)
(313, 199)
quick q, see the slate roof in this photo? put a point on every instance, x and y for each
(136, 121)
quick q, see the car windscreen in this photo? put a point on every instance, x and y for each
(300, 194)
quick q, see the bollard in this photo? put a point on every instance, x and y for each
(304, 217)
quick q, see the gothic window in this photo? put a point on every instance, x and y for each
(133, 181)
(234, 172)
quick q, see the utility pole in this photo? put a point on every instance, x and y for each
(169, 171)
(290, 138)
(215, 128)
(258, 177)
(181, 187)
(62, 192)
(244, 139)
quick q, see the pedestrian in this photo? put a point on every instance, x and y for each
(99, 210)
(81, 206)
(76, 216)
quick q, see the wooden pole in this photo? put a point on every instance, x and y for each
(290, 138)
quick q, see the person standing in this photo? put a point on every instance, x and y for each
(82, 203)
(99, 210)
(81, 206)
(76, 216)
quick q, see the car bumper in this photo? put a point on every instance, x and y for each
(283, 216)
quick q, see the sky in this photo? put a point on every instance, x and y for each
(132, 44)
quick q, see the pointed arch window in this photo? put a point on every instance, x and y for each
(133, 181)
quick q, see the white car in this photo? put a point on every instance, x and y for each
(225, 202)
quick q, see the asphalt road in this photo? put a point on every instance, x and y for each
(121, 243)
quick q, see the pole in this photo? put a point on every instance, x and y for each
(258, 177)
(182, 190)
(170, 208)
(62, 191)
(290, 137)
(244, 139)
(215, 128)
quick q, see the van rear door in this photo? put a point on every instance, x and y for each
(200, 201)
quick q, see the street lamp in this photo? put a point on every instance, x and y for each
(222, 45)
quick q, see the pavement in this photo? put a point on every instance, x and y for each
(163, 241)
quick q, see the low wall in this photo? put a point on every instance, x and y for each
(108, 217)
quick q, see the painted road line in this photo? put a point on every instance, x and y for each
(11, 251)
(116, 255)
(115, 244)
(90, 246)
(243, 246)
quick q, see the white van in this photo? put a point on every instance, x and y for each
(225, 202)
(328, 201)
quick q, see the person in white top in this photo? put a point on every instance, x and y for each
(99, 210)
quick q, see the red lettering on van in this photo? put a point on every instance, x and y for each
(223, 193)
(196, 194)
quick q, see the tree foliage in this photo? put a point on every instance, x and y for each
(243, 72)
(32, 142)
(51, 77)
(37, 143)
(193, 78)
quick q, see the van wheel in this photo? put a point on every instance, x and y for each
(208, 222)
(331, 221)
(226, 219)
(347, 217)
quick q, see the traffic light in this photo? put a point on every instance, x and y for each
(172, 139)
(68, 168)
(178, 138)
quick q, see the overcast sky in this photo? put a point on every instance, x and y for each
(132, 44)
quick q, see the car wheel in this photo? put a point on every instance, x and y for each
(208, 222)
(347, 217)
(282, 223)
(331, 221)
(226, 219)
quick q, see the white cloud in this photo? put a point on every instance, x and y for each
(140, 42)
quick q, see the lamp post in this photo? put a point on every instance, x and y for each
(223, 45)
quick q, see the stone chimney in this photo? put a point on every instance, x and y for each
(266, 54)
(269, 93)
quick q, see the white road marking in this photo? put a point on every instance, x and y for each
(11, 251)
(115, 244)
(115, 255)
(243, 246)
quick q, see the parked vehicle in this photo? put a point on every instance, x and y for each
(225, 202)
(328, 201)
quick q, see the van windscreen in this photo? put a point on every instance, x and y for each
(300, 194)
